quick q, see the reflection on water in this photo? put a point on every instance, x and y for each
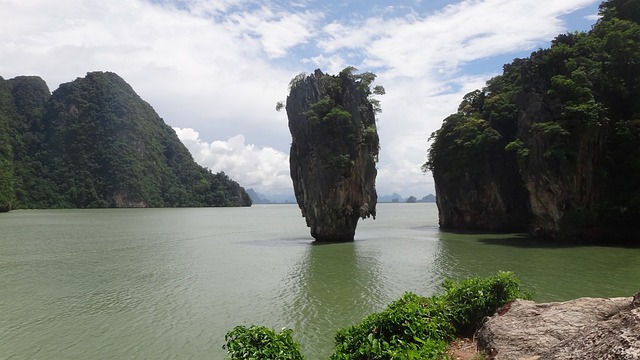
(334, 287)
(552, 272)
(337, 285)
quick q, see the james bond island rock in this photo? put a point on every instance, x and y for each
(551, 146)
(334, 150)
(95, 143)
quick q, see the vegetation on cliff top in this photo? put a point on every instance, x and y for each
(412, 327)
(95, 143)
(567, 120)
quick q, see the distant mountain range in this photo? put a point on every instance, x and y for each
(259, 198)
(397, 198)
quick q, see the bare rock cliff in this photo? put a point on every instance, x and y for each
(334, 151)
(584, 328)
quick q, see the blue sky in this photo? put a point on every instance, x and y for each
(214, 69)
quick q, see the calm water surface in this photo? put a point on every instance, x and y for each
(169, 283)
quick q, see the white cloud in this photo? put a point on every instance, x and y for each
(218, 66)
(415, 46)
(593, 18)
(262, 168)
(277, 32)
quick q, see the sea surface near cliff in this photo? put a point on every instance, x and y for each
(169, 283)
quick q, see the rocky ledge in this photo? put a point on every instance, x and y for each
(584, 328)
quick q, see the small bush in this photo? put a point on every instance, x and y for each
(408, 328)
(261, 343)
(471, 300)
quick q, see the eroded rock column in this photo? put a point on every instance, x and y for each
(334, 151)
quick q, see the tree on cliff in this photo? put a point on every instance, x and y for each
(95, 143)
(552, 144)
(334, 150)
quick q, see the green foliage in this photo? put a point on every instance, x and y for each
(342, 163)
(370, 132)
(326, 111)
(519, 147)
(460, 142)
(261, 343)
(379, 90)
(7, 190)
(412, 324)
(416, 327)
(337, 115)
(471, 300)
(554, 135)
(622, 9)
(549, 129)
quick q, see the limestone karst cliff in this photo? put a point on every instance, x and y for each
(551, 146)
(95, 143)
(334, 151)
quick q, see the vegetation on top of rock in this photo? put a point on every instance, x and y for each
(95, 143)
(553, 144)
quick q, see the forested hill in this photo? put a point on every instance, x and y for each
(95, 143)
(553, 144)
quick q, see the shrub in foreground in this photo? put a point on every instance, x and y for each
(412, 327)
(261, 343)
(409, 328)
(471, 300)
(416, 327)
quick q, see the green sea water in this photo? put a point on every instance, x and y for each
(169, 283)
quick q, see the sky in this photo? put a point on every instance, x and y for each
(215, 69)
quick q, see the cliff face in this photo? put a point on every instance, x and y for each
(95, 143)
(334, 151)
(562, 171)
(552, 145)
(478, 188)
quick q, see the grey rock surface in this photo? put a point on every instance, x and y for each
(584, 328)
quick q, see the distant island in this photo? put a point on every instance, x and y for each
(94, 143)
